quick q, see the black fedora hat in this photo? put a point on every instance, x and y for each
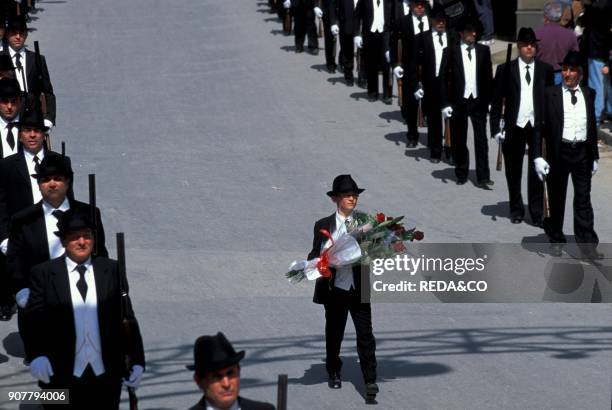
(573, 59)
(526, 35)
(17, 23)
(5, 63)
(9, 87)
(33, 118)
(212, 353)
(469, 22)
(54, 165)
(437, 13)
(344, 184)
(73, 220)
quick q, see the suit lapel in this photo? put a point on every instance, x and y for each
(558, 105)
(40, 232)
(61, 282)
(459, 58)
(586, 94)
(102, 278)
(22, 168)
(29, 67)
(515, 74)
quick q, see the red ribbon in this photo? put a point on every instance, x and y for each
(323, 264)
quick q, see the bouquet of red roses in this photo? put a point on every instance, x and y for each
(368, 237)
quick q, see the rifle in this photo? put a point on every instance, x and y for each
(42, 97)
(18, 9)
(63, 149)
(281, 398)
(545, 198)
(287, 22)
(498, 165)
(420, 119)
(447, 138)
(92, 210)
(321, 29)
(129, 325)
(400, 81)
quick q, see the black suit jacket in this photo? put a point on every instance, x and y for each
(322, 292)
(364, 17)
(15, 188)
(343, 14)
(452, 75)
(552, 127)
(509, 86)
(402, 28)
(51, 316)
(28, 245)
(245, 404)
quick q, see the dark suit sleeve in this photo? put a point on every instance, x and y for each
(540, 134)
(37, 312)
(357, 18)
(496, 101)
(4, 214)
(16, 256)
(316, 242)
(592, 132)
(445, 74)
(333, 12)
(488, 74)
(134, 345)
(47, 89)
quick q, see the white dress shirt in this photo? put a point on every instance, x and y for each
(415, 24)
(234, 406)
(18, 74)
(6, 148)
(378, 23)
(438, 49)
(574, 116)
(469, 70)
(526, 113)
(344, 274)
(55, 246)
(88, 348)
(29, 160)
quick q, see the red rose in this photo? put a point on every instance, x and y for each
(398, 247)
(380, 217)
(418, 235)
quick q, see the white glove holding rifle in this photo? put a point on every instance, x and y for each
(541, 167)
(335, 30)
(398, 72)
(318, 12)
(358, 41)
(287, 4)
(418, 94)
(447, 112)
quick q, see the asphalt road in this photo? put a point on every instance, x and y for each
(214, 144)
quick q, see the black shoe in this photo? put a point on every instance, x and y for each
(516, 220)
(361, 83)
(387, 100)
(434, 160)
(334, 381)
(461, 181)
(371, 390)
(299, 49)
(314, 51)
(331, 69)
(350, 82)
(486, 184)
(538, 223)
(6, 313)
(372, 97)
(412, 143)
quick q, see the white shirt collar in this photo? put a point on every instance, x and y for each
(12, 52)
(48, 209)
(211, 407)
(341, 218)
(567, 89)
(72, 265)
(464, 46)
(30, 157)
(523, 64)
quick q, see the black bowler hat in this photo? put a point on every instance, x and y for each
(17, 23)
(73, 220)
(344, 184)
(9, 87)
(54, 165)
(526, 35)
(437, 13)
(469, 22)
(5, 63)
(33, 118)
(573, 59)
(212, 353)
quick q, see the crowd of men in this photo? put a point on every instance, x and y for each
(444, 75)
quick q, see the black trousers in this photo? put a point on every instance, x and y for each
(336, 314)
(330, 42)
(6, 295)
(432, 105)
(410, 108)
(574, 161)
(513, 149)
(374, 55)
(477, 112)
(347, 54)
(304, 24)
(88, 391)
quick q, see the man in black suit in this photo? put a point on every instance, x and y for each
(408, 22)
(18, 188)
(304, 25)
(342, 292)
(31, 237)
(466, 78)
(11, 105)
(427, 53)
(342, 20)
(569, 134)
(217, 374)
(521, 91)
(76, 317)
(325, 10)
(372, 25)
(32, 79)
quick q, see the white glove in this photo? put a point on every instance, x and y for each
(40, 369)
(419, 94)
(398, 72)
(318, 12)
(541, 167)
(595, 167)
(135, 376)
(447, 112)
(48, 124)
(287, 4)
(4, 246)
(387, 56)
(578, 31)
(500, 137)
(335, 29)
(358, 41)
(22, 297)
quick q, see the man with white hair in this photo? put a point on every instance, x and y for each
(554, 41)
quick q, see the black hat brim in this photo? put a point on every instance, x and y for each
(336, 193)
(219, 365)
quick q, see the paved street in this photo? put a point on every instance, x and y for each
(213, 145)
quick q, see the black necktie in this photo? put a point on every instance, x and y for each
(81, 284)
(527, 75)
(378, 2)
(420, 24)
(440, 38)
(469, 50)
(18, 61)
(10, 138)
(574, 98)
(36, 170)
(57, 214)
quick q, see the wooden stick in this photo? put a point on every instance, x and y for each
(281, 398)
(500, 158)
